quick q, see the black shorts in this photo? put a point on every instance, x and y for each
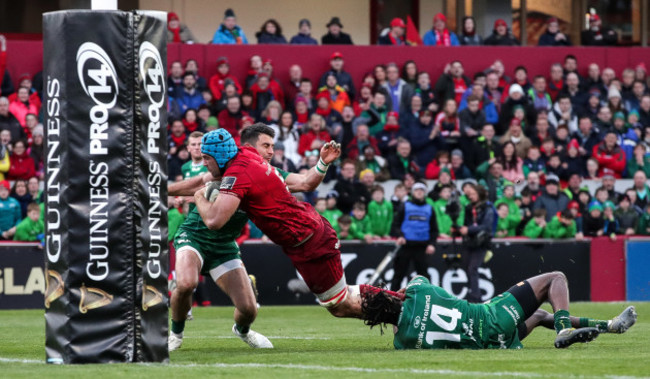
(526, 298)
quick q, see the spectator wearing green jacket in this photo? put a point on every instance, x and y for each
(10, 213)
(440, 208)
(561, 225)
(639, 162)
(31, 229)
(509, 199)
(380, 213)
(332, 213)
(535, 227)
(507, 223)
(361, 229)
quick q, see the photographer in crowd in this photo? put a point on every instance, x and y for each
(477, 234)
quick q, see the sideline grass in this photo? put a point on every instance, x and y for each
(310, 343)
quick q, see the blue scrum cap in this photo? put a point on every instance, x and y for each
(220, 145)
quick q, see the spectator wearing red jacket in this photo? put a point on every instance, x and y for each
(22, 165)
(230, 117)
(22, 106)
(360, 141)
(316, 137)
(440, 162)
(263, 93)
(610, 156)
(25, 80)
(218, 80)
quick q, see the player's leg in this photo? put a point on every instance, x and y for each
(420, 261)
(619, 324)
(188, 267)
(554, 288)
(232, 278)
(474, 260)
(400, 267)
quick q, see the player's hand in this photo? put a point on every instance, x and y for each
(330, 152)
(430, 250)
(400, 241)
(211, 190)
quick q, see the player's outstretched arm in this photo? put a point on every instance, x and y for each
(216, 214)
(188, 187)
(314, 177)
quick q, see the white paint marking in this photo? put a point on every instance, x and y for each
(351, 369)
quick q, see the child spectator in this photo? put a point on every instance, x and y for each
(20, 193)
(506, 224)
(547, 148)
(320, 204)
(627, 217)
(554, 166)
(561, 225)
(332, 213)
(380, 213)
(361, 227)
(445, 223)
(572, 161)
(31, 228)
(601, 195)
(611, 227)
(509, 199)
(594, 223)
(10, 214)
(584, 198)
(218, 81)
(534, 162)
(400, 195)
(525, 204)
(345, 225)
(644, 222)
(574, 208)
(535, 226)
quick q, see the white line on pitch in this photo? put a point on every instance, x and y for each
(269, 337)
(350, 369)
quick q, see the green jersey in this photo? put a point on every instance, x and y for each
(431, 318)
(28, 230)
(332, 215)
(224, 238)
(381, 217)
(191, 169)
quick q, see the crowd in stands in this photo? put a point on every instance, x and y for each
(543, 135)
(398, 33)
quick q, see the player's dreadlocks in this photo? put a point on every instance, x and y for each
(380, 308)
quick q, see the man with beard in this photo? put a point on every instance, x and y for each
(597, 35)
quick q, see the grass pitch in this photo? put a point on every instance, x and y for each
(311, 343)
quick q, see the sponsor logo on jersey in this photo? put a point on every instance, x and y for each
(228, 182)
(416, 323)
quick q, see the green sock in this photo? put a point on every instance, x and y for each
(178, 326)
(593, 323)
(242, 329)
(562, 320)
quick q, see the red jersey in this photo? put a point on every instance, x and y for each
(267, 201)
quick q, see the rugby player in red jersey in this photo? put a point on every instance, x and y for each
(250, 183)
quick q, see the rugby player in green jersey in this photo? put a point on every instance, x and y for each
(200, 250)
(431, 318)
